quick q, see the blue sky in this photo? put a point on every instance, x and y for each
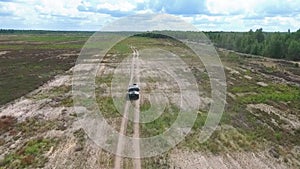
(215, 15)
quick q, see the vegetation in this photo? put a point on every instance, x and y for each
(31, 155)
(161, 161)
(6, 123)
(61, 95)
(41, 32)
(31, 126)
(239, 129)
(273, 92)
(30, 59)
(107, 107)
(276, 45)
(280, 45)
(81, 137)
(161, 124)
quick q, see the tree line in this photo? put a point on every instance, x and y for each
(281, 45)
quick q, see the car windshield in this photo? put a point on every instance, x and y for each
(133, 89)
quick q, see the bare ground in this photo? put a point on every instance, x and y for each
(75, 150)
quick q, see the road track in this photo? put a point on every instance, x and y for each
(134, 74)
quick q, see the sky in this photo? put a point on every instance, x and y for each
(205, 15)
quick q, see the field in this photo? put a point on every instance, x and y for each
(29, 60)
(260, 126)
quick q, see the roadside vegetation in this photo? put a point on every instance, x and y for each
(30, 155)
(29, 59)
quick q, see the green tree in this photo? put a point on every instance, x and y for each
(254, 49)
(274, 48)
(270, 44)
(294, 50)
(259, 35)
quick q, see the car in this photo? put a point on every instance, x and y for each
(133, 92)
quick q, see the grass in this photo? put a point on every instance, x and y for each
(105, 103)
(24, 71)
(31, 126)
(80, 135)
(121, 48)
(49, 38)
(45, 41)
(7, 123)
(141, 43)
(261, 128)
(67, 102)
(42, 47)
(159, 125)
(272, 92)
(61, 95)
(249, 92)
(31, 155)
(32, 60)
(232, 57)
(107, 107)
(145, 106)
(252, 133)
(104, 79)
(161, 161)
(53, 93)
(222, 139)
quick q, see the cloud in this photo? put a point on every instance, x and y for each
(149, 22)
(5, 14)
(231, 7)
(113, 13)
(254, 8)
(236, 15)
(280, 8)
(125, 8)
(181, 7)
(5, 11)
(113, 8)
(44, 14)
(7, 0)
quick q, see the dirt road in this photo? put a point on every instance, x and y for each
(134, 75)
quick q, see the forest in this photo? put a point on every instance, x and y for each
(280, 45)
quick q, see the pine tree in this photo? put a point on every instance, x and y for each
(294, 50)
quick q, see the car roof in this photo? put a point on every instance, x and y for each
(134, 86)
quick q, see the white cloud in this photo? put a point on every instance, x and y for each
(122, 6)
(231, 6)
(61, 7)
(236, 15)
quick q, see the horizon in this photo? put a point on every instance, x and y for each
(45, 30)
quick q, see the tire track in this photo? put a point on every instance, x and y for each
(136, 127)
(134, 72)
